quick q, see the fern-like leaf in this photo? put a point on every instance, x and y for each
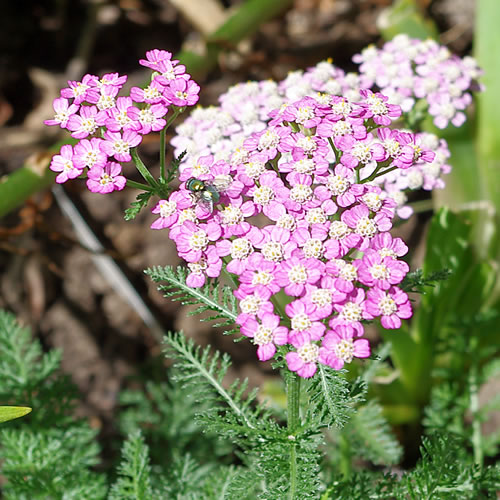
(185, 479)
(371, 437)
(270, 462)
(444, 471)
(30, 377)
(227, 483)
(329, 398)
(213, 298)
(415, 282)
(204, 371)
(136, 206)
(134, 482)
(22, 366)
(53, 463)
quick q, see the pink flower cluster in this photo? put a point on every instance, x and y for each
(244, 109)
(109, 126)
(407, 69)
(304, 233)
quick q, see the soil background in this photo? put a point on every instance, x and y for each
(47, 278)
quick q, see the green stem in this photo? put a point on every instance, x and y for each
(139, 185)
(422, 206)
(334, 149)
(280, 304)
(162, 154)
(177, 112)
(230, 276)
(474, 409)
(377, 173)
(143, 170)
(293, 422)
(345, 456)
(16, 187)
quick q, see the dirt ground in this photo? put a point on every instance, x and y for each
(47, 277)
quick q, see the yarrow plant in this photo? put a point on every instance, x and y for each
(288, 190)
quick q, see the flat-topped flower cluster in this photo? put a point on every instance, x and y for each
(443, 85)
(302, 229)
(109, 126)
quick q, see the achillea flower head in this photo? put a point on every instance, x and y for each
(400, 70)
(326, 243)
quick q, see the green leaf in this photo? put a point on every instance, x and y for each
(201, 370)
(12, 412)
(210, 298)
(416, 282)
(487, 38)
(329, 398)
(136, 206)
(405, 16)
(371, 437)
(52, 463)
(413, 347)
(134, 482)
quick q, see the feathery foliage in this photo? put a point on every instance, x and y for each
(446, 472)
(202, 373)
(30, 378)
(47, 454)
(235, 414)
(443, 473)
(371, 437)
(166, 418)
(415, 281)
(329, 399)
(270, 462)
(140, 202)
(216, 299)
(51, 463)
(226, 483)
(134, 481)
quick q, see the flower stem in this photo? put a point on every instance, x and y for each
(233, 280)
(334, 149)
(143, 169)
(177, 112)
(293, 421)
(139, 185)
(162, 154)
(345, 456)
(474, 409)
(378, 173)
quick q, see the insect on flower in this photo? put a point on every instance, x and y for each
(206, 193)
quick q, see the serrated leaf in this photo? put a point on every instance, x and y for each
(213, 298)
(372, 436)
(134, 471)
(136, 206)
(329, 396)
